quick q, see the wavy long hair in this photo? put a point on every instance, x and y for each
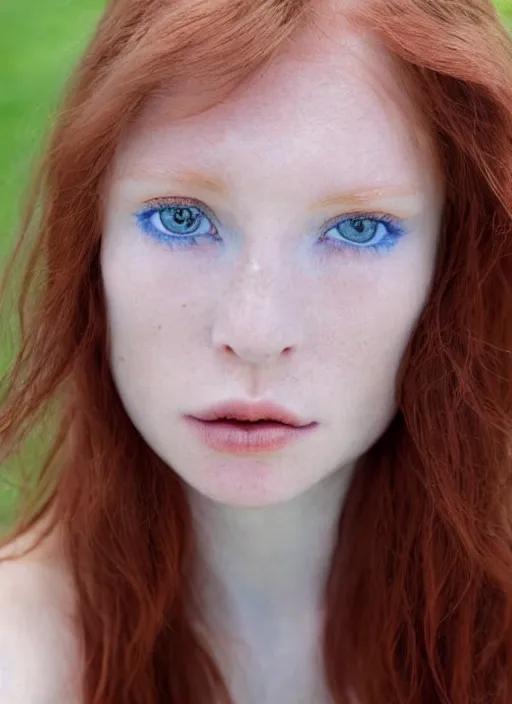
(418, 601)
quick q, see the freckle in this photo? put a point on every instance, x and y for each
(158, 327)
(184, 305)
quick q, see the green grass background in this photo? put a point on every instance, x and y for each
(40, 41)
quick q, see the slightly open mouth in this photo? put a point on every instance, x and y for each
(248, 423)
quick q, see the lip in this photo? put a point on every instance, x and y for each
(282, 427)
(226, 436)
(252, 412)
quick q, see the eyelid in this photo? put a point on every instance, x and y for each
(345, 215)
(363, 215)
(176, 200)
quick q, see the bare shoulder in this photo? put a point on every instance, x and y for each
(39, 654)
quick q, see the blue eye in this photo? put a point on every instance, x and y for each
(184, 224)
(362, 233)
(178, 225)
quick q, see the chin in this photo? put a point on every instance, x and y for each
(251, 484)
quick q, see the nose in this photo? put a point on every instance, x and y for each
(258, 318)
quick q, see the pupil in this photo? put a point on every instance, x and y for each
(179, 217)
(182, 215)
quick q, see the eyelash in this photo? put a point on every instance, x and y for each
(145, 216)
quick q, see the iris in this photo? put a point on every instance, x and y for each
(185, 225)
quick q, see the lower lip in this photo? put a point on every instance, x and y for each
(224, 436)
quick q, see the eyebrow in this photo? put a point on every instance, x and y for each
(357, 198)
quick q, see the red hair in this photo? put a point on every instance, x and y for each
(419, 597)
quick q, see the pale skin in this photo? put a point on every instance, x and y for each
(273, 312)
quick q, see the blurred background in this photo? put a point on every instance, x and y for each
(40, 41)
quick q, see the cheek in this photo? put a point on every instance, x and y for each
(364, 325)
(140, 317)
(146, 286)
(154, 315)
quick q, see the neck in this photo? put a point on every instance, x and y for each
(263, 568)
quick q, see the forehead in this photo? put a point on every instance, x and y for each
(333, 99)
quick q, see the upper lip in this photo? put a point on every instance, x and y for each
(243, 410)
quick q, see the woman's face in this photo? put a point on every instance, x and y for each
(279, 247)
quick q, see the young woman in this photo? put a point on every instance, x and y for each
(266, 333)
